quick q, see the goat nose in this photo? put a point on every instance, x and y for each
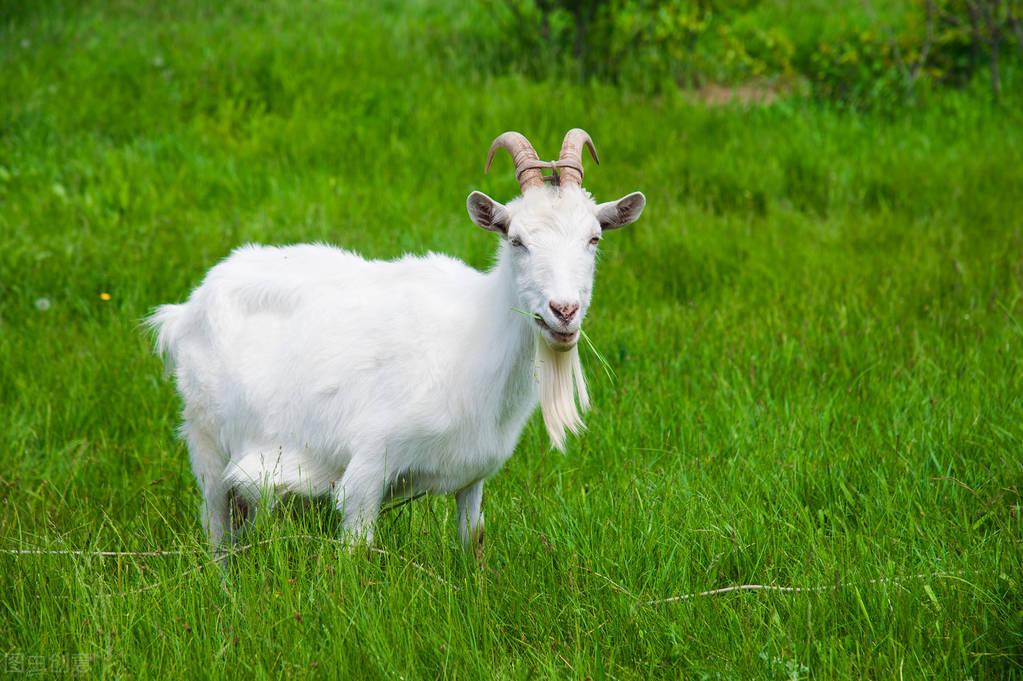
(564, 311)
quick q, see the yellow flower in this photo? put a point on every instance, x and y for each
(104, 296)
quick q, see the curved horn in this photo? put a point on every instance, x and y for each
(523, 154)
(571, 160)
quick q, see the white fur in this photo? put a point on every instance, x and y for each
(308, 369)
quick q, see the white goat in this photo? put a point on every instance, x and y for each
(308, 369)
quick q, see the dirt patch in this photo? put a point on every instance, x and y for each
(751, 93)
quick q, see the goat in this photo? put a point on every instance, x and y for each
(307, 369)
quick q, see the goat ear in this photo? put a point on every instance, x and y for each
(487, 213)
(624, 211)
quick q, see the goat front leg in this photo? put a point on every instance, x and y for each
(470, 517)
(358, 495)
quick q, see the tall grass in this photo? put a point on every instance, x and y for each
(815, 329)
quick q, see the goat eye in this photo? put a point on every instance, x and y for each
(516, 242)
(594, 241)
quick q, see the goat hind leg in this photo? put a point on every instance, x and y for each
(470, 517)
(358, 495)
(208, 465)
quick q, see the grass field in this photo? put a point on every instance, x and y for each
(815, 328)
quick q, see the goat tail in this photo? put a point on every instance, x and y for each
(167, 322)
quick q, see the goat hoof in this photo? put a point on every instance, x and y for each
(477, 547)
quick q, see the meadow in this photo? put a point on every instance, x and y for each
(815, 333)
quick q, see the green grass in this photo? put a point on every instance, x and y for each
(815, 330)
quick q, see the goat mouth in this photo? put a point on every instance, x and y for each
(560, 337)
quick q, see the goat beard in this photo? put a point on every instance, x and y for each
(561, 381)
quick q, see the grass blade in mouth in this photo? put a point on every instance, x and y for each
(531, 315)
(603, 362)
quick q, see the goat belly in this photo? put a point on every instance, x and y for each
(442, 465)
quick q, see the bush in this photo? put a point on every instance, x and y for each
(846, 52)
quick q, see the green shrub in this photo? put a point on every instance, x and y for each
(847, 52)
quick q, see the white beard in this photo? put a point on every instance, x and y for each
(561, 379)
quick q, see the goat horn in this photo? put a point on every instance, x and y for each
(571, 160)
(524, 156)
